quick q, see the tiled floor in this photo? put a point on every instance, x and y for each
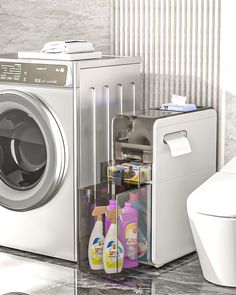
(32, 274)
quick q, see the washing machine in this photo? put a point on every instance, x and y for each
(55, 119)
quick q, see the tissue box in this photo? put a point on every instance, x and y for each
(178, 104)
(178, 108)
(130, 172)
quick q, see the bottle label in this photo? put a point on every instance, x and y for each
(114, 255)
(97, 251)
(131, 236)
(142, 244)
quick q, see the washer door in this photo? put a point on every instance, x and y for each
(32, 152)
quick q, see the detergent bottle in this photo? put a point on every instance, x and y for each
(142, 224)
(129, 235)
(113, 252)
(96, 241)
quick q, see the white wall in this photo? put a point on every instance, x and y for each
(228, 74)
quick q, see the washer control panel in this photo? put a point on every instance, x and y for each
(32, 73)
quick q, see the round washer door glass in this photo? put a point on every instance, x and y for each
(23, 153)
(32, 151)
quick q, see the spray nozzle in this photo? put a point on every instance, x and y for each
(99, 211)
(112, 215)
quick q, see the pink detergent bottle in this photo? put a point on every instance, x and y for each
(142, 224)
(112, 206)
(129, 235)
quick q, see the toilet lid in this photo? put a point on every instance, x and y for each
(216, 197)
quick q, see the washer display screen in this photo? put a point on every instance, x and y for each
(23, 154)
(42, 74)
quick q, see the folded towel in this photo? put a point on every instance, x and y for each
(70, 46)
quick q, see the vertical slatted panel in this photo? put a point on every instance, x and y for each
(179, 44)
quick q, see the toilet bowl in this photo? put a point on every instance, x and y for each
(212, 215)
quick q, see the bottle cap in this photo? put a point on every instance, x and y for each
(128, 204)
(133, 197)
(112, 202)
(144, 191)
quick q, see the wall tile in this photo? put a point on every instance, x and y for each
(28, 24)
(228, 68)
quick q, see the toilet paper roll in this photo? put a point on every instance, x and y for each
(178, 144)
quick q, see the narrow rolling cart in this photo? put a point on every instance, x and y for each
(137, 213)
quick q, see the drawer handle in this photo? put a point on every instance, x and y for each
(183, 132)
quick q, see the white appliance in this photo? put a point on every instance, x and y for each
(55, 119)
(212, 215)
(180, 148)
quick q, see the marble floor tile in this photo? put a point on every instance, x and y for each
(23, 273)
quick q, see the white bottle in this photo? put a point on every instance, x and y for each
(113, 251)
(96, 241)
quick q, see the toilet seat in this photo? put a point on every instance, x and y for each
(212, 216)
(216, 197)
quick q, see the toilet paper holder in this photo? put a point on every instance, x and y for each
(182, 132)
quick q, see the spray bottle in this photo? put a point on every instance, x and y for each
(113, 252)
(112, 206)
(96, 241)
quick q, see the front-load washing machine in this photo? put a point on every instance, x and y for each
(55, 119)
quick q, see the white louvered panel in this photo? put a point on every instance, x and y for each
(179, 43)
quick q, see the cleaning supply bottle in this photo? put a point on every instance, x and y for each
(96, 241)
(112, 206)
(129, 235)
(143, 192)
(113, 252)
(142, 224)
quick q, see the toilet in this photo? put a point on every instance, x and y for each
(212, 215)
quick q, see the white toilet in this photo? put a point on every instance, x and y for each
(212, 214)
